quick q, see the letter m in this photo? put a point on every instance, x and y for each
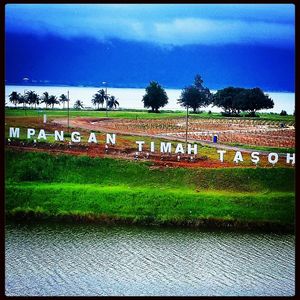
(165, 147)
(14, 132)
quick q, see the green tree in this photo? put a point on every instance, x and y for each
(53, 100)
(99, 98)
(196, 95)
(32, 98)
(103, 97)
(63, 98)
(78, 104)
(233, 100)
(112, 102)
(192, 97)
(283, 113)
(14, 98)
(198, 82)
(22, 100)
(95, 100)
(45, 99)
(254, 100)
(229, 99)
(155, 96)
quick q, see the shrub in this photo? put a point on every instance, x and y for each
(227, 114)
(283, 113)
(252, 115)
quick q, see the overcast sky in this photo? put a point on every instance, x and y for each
(162, 24)
(129, 45)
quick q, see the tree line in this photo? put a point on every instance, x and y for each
(232, 100)
(31, 98)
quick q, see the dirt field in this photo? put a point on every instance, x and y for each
(249, 132)
(246, 131)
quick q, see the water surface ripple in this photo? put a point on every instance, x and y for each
(90, 260)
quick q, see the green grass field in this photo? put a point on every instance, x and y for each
(134, 114)
(39, 184)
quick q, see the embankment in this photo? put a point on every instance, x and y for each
(64, 187)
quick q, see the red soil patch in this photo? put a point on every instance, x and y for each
(161, 161)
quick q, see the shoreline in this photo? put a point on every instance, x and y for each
(31, 216)
(131, 98)
(34, 84)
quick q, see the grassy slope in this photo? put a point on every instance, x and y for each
(50, 185)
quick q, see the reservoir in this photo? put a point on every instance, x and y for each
(131, 98)
(93, 260)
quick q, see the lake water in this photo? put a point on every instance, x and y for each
(92, 260)
(132, 98)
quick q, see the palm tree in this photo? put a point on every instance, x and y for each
(53, 100)
(32, 98)
(103, 96)
(96, 100)
(63, 98)
(22, 100)
(14, 98)
(45, 99)
(78, 104)
(99, 98)
(112, 102)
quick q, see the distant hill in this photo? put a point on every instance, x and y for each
(50, 59)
